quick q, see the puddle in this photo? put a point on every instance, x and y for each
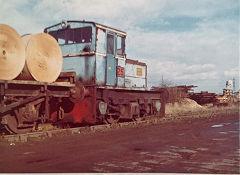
(37, 161)
(216, 139)
(187, 151)
(181, 134)
(26, 153)
(135, 163)
(202, 149)
(100, 170)
(228, 132)
(222, 132)
(233, 131)
(172, 149)
(143, 153)
(127, 166)
(216, 126)
(151, 161)
(222, 124)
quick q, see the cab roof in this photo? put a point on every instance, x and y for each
(101, 26)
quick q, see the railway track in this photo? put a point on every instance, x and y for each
(40, 135)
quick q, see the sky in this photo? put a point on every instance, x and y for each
(187, 42)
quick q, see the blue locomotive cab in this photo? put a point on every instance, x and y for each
(77, 42)
(97, 54)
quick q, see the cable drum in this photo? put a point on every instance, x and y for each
(12, 53)
(43, 58)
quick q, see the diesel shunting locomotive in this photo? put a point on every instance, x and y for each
(97, 83)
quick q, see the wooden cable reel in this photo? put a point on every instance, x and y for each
(12, 53)
(43, 58)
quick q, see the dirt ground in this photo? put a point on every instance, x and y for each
(206, 145)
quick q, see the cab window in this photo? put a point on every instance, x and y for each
(120, 45)
(110, 44)
(73, 36)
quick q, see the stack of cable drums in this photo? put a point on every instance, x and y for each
(36, 57)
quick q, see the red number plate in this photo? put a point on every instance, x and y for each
(120, 71)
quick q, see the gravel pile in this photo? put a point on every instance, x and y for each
(184, 105)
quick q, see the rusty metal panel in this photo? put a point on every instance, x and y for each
(101, 41)
(84, 66)
(120, 72)
(100, 56)
(75, 48)
(135, 74)
(100, 70)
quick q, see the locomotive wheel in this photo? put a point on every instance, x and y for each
(11, 125)
(111, 119)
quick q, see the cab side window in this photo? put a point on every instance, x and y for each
(110, 44)
(120, 45)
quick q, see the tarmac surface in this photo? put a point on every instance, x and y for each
(206, 145)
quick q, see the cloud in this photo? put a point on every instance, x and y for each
(231, 73)
(19, 15)
(198, 68)
(181, 71)
(196, 46)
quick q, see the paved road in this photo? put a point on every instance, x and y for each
(196, 146)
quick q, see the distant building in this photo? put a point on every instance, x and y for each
(229, 84)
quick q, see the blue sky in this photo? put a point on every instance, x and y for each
(189, 42)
